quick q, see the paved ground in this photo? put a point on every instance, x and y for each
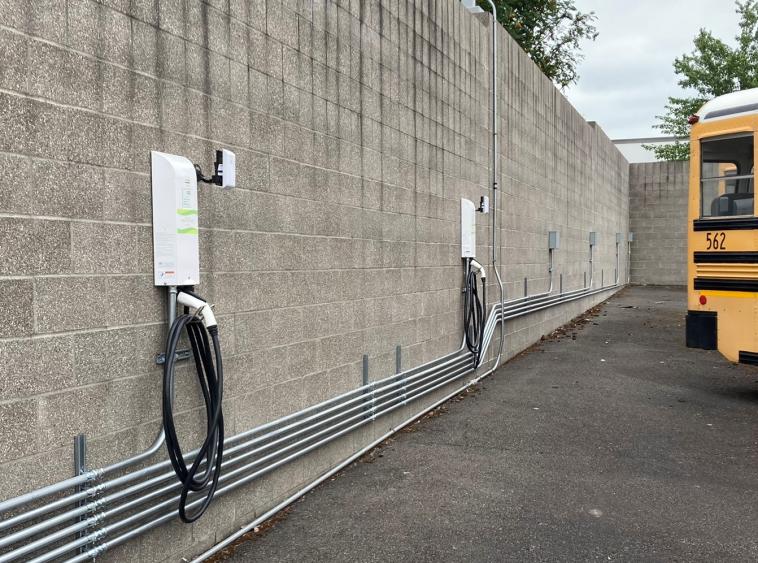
(616, 444)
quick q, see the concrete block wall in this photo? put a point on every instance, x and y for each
(559, 173)
(658, 193)
(358, 126)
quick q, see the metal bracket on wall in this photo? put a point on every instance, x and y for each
(399, 370)
(181, 355)
(80, 467)
(367, 409)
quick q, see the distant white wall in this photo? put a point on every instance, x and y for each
(633, 149)
(635, 153)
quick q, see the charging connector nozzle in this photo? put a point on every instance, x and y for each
(202, 309)
(477, 266)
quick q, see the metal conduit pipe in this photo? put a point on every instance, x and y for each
(103, 502)
(568, 297)
(511, 313)
(167, 503)
(525, 303)
(526, 298)
(490, 326)
(458, 361)
(492, 322)
(495, 166)
(443, 382)
(518, 307)
(385, 407)
(358, 395)
(541, 306)
(532, 306)
(390, 383)
(82, 479)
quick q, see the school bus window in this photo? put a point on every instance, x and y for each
(726, 176)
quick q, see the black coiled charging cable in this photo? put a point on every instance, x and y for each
(473, 309)
(210, 373)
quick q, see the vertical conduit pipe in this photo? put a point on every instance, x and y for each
(495, 167)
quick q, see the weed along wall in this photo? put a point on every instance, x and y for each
(334, 262)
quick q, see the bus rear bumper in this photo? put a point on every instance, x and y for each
(701, 330)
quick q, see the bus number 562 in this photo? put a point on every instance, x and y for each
(716, 241)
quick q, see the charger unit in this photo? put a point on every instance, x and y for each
(468, 229)
(176, 247)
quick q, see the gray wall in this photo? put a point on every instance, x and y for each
(358, 126)
(658, 218)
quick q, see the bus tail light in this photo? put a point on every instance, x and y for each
(694, 118)
(703, 300)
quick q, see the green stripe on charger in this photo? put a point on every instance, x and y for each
(187, 231)
(186, 211)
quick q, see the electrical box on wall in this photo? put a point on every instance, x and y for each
(593, 238)
(553, 240)
(484, 204)
(468, 229)
(619, 238)
(630, 238)
(226, 168)
(176, 248)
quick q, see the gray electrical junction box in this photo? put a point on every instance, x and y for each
(553, 240)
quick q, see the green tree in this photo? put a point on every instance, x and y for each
(712, 69)
(549, 31)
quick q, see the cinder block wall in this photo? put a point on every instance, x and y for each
(358, 126)
(658, 218)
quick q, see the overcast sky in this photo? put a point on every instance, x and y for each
(627, 73)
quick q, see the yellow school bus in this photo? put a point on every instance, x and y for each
(722, 267)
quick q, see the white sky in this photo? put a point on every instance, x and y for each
(627, 73)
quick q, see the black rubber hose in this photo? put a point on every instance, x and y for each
(210, 373)
(473, 314)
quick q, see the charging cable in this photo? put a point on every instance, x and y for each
(203, 335)
(473, 308)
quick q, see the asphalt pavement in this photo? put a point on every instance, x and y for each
(608, 441)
